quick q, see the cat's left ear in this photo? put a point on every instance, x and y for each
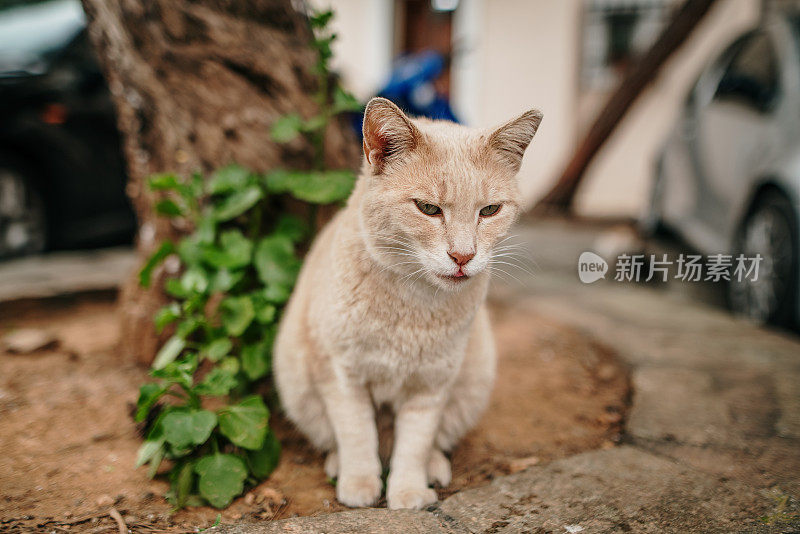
(388, 133)
(512, 138)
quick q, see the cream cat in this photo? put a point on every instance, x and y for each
(389, 306)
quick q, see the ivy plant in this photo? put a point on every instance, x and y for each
(236, 269)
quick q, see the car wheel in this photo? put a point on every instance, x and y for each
(23, 224)
(771, 231)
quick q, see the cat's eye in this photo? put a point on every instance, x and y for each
(432, 210)
(488, 211)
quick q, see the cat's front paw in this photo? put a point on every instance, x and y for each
(439, 469)
(332, 464)
(414, 498)
(358, 490)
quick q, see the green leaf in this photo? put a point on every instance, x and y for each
(206, 229)
(168, 207)
(344, 101)
(194, 280)
(166, 315)
(237, 314)
(148, 396)
(235, 251)
(277, 293)
(171, 349)
(166, 248)
(149, 451)
(155, 461)
(193, 189)
(182, 483)
(319, 187)
(195, 501)
(264, 461)
(187, 326)
(222, 478)
(317, 122)
(190, 250)
(227, 179)
(180, 372)
(323, 46)
(256, 360)
(286, 128)
(245, 424)
(277, 181)
(292, 227)
(153, 450)
(224, 280)
(174, 288)
(266, 313)
(189, 426)
(216, 383)
(237, 247)
(217, 349)
(229, 365)
(238, 203)
(163, 182)
(275, 261)
(320, 19)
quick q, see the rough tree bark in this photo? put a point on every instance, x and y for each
(559, 198)
(197, 85)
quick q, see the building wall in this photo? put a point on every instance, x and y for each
(521, 54)
(518, 54)
(363, 48)
(619, 180)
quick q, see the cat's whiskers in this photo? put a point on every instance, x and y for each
(398, 249)
(513, 265)
(393, 239)
(510, 236)
(518, 256)
(513, 256)
(426, 271)
(501, 270)
(380, 240)
(387, 267)
(406, 280)
(509, 248)
(514, 248)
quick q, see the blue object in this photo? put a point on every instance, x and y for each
(411, 87)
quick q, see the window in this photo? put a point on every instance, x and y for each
(751, 77)
(615, 33)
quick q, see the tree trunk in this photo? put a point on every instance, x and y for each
(559, 198)
(197, 85)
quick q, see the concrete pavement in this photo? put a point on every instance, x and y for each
(713, 434)
(67, 272)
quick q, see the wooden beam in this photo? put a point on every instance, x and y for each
(559, 198)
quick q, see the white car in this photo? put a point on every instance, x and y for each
(728, 180)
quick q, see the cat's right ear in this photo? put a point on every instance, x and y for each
(388, 132)
(512, 138)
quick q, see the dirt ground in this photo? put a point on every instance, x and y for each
(68, 443)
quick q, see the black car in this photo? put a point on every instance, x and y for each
(62, 174)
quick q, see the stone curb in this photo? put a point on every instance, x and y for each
(624, 489)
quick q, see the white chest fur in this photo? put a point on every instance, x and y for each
(397, 340)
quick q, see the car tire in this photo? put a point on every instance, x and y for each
(770, 229)
(23, 220)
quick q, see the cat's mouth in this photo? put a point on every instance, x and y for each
(460, 276)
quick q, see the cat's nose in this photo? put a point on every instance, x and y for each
(459, 258)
